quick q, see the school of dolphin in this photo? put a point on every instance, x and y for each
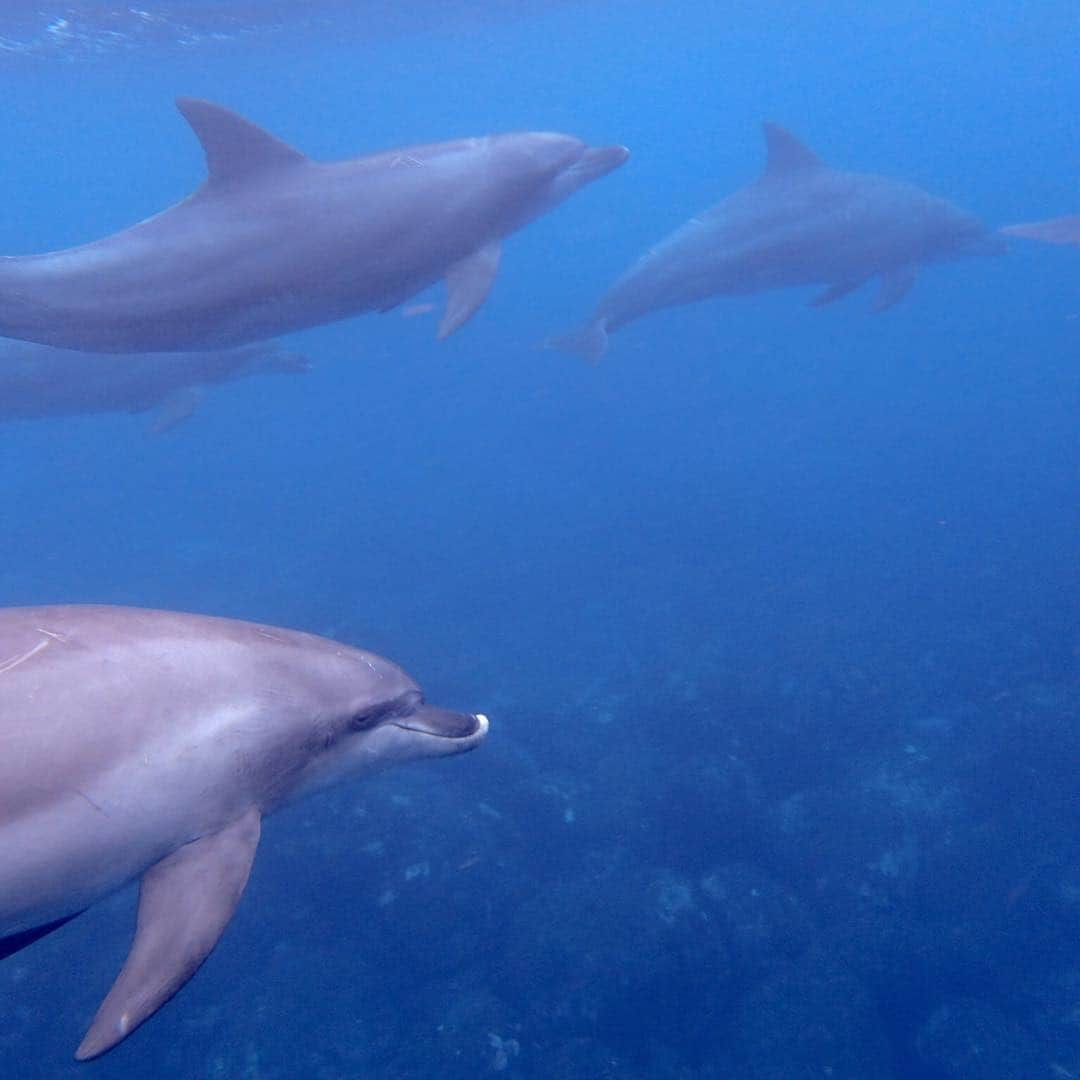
(214, 723)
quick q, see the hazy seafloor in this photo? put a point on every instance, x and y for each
(774, 611)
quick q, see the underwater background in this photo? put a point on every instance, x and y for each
(774, 610)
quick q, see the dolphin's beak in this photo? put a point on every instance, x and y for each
(598, 161)
(462, 730)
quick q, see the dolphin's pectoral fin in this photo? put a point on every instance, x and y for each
(234, 146)
(176, 408)
(185, 902)
(895, 285)
(468, 283)
(836, 292)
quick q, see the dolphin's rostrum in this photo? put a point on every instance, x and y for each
(800, 223)
(274, 241)
(150, 745)
(1062, 230)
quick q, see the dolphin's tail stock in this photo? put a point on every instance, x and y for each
(589, 341)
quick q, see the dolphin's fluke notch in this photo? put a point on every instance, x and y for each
(1062, 230)
(590, 341)
(185, 902)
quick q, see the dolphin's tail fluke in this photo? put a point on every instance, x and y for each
(589, 341)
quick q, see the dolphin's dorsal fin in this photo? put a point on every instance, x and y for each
(185, 902)
(784, 154)
(234, 146)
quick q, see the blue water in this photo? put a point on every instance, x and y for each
(774, 611)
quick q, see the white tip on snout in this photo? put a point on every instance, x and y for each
(483, 722)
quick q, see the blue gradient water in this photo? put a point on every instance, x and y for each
(774, 611)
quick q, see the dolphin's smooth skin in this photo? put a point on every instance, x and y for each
(41, 381)
(274, 242)
(150, 745)
(800, 223)
(1062, 230)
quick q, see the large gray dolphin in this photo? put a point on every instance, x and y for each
(150, 745)
(800, 223)
(1062, 230)
(274, 241)
(42, 381)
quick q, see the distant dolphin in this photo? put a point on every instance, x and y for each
(799, 223)
(1062, 230)
(150, 744)
(41, 381)
(274, 242)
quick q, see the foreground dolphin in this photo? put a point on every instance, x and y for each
(1062, 230)
(41, 381)
(799, 223)
(150, 744)
(274, 242)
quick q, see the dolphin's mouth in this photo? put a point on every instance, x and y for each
(444, 724)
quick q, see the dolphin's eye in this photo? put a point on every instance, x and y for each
(369, 718)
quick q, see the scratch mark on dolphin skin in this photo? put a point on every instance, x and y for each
(51, 634)
(99, 809)
(272, 637)
(398, 160)
(15, 661)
